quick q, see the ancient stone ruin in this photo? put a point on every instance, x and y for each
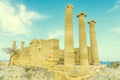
(46, 53)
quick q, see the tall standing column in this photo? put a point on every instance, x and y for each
(69, 59)
(82, 40)
(11, 61)
(22, 45)
(14, 45)
(89, 55)
(94, 50)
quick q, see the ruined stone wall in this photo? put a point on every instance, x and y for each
(43, 52)
(38, 53)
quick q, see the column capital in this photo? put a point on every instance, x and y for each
(92, 21)
(84, 14)
(69, 6)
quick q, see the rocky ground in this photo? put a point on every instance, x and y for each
(33, 73)
(107, 74)
(21, 73)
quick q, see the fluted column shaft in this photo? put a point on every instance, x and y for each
(14, 45)
(89, 55)
(94, 50)
(69, 59)
(82, 40)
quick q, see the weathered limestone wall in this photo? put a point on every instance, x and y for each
(38, 53)
(53, 46)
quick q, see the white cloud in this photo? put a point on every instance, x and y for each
(15, 19)
(116, 29)
(56, 34)
(115, 7)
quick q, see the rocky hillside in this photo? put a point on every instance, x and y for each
(107, 74)
(21, 73)
(33, 73)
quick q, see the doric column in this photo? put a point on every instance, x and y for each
(89, 55)
(94, 50)
(82, 40)
(22, 45)
(69, 59)
(14, 45)
(11, 61)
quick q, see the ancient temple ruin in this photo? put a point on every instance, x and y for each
(47, 52)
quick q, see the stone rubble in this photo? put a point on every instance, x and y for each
(35, 73)
(107, 74)
(21, 73)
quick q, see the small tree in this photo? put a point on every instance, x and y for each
(10, 51)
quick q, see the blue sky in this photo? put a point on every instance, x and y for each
(24, 20)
